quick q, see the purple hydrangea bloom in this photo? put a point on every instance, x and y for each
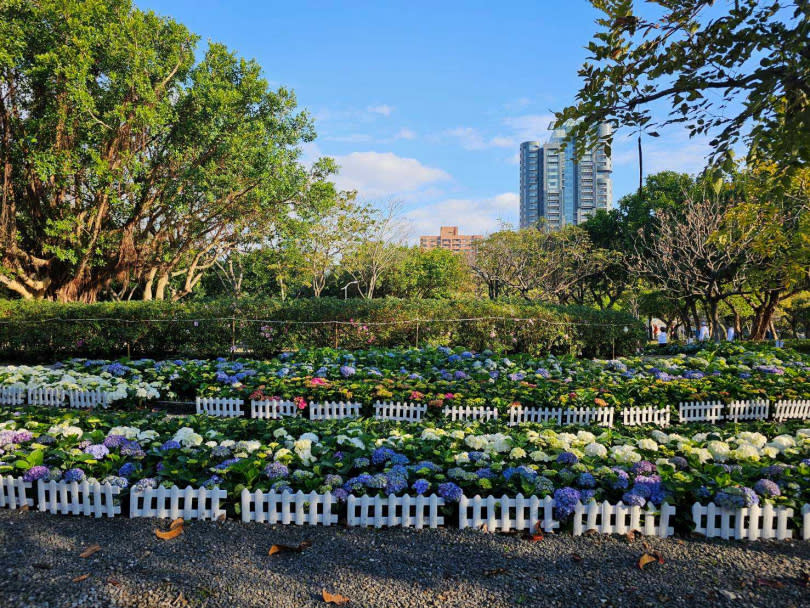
(693, 374)
(276, 470)
(770, 369)
(736, 497)
(632, 499)
(485, 473)
(567, 458)
(679, 462)
(622, 481)
(116, 481)
(421, 486)
(97, 451)
(587, 495)
(36, 472)
(776, 471)
(333, 481)
(643, 467)
(356, 484)
(460, 375)
(132, 449)
(145, 484)
(381, 455)
(347, 370)
(171, 444)
(114, 441)
(340, 494)
(517, 376)
(21, 436)
(75, 474)
(767, 488)
(212, 482)
(450, 491)
(565, 499)
(396, 480)
(586, 480)
(127, 470)
(225, 464)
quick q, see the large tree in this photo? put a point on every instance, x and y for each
(735, 71)
(125, 163)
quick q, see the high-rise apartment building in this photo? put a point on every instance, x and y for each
(557, 187)
(449, 238)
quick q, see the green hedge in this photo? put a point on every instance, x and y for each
(40, 331)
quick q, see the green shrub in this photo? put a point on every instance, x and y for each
(37, 331)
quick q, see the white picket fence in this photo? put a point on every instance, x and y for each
(403, 511)
(224, 407)
(288, 508)
(520, 415)
(751, 523)
(606, 518)
(470, 413)
(806, 522)
(52, 397)
(272, 409)
(401, 412)
(88, 399)
(73, 498)
(602, 416)
(748, 410)
(636, 416)
(700, 411)
(14, 492)
(11, 395)
(190, 503)
(505, 513)
(792, 410)
(333, 411)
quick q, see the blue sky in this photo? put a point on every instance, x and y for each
(427, 102)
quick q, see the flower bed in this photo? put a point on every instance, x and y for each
(765, 463)
(443, 378)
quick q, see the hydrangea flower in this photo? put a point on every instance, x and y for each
(171, 444)
(632, 499)
(145, 484)
(565, 499)
(767, 488)
(75, 474)
(567, 458)
(643, 467)
(128, 469)
(114, 441)
(586, 480)
(347, 371)
(97, 451)
(736, 497)
(450, 491)
(276, 471)
(116, 481)
(420, 486)
(36, 473)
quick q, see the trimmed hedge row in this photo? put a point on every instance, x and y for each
(39, 331)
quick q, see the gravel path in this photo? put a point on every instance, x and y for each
(227, 564)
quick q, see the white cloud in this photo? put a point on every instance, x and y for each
(530, 127)
(482, 216)
(353, 138)
(472, 139)
(384, 174)
(383, 109)
(405, 134)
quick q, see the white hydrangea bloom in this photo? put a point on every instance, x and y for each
(457, 434)
(647, 444)
(596, 450)
(584, 437)
(476, 442)
(540, 456)
(130, 432)
(660, 436)
(462, 458)
(745, 451)
(719, 450)
(517, 453)
(625, 454)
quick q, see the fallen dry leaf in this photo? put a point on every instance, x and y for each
(289, 548)
(80, 578)
(176, 523)
(334, 598)
(169, 534)
(113, 582)
(494, 571)
(25, 508)
(221, 518)
(646, 559)
(90, 550)
(536, 537)
(766, 582)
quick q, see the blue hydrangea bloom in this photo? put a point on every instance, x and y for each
(97, 451)
(276, 470)
(421, 486)
(450, 491)
(567, 458)
(128, 469)
(565, 499)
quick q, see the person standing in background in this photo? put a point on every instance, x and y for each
(703, 335)
(662, 337)
(730, 334)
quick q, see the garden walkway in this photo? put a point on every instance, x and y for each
(227, 564)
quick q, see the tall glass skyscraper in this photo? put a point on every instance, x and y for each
(557, 187)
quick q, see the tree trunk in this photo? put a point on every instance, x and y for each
(763, 317)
